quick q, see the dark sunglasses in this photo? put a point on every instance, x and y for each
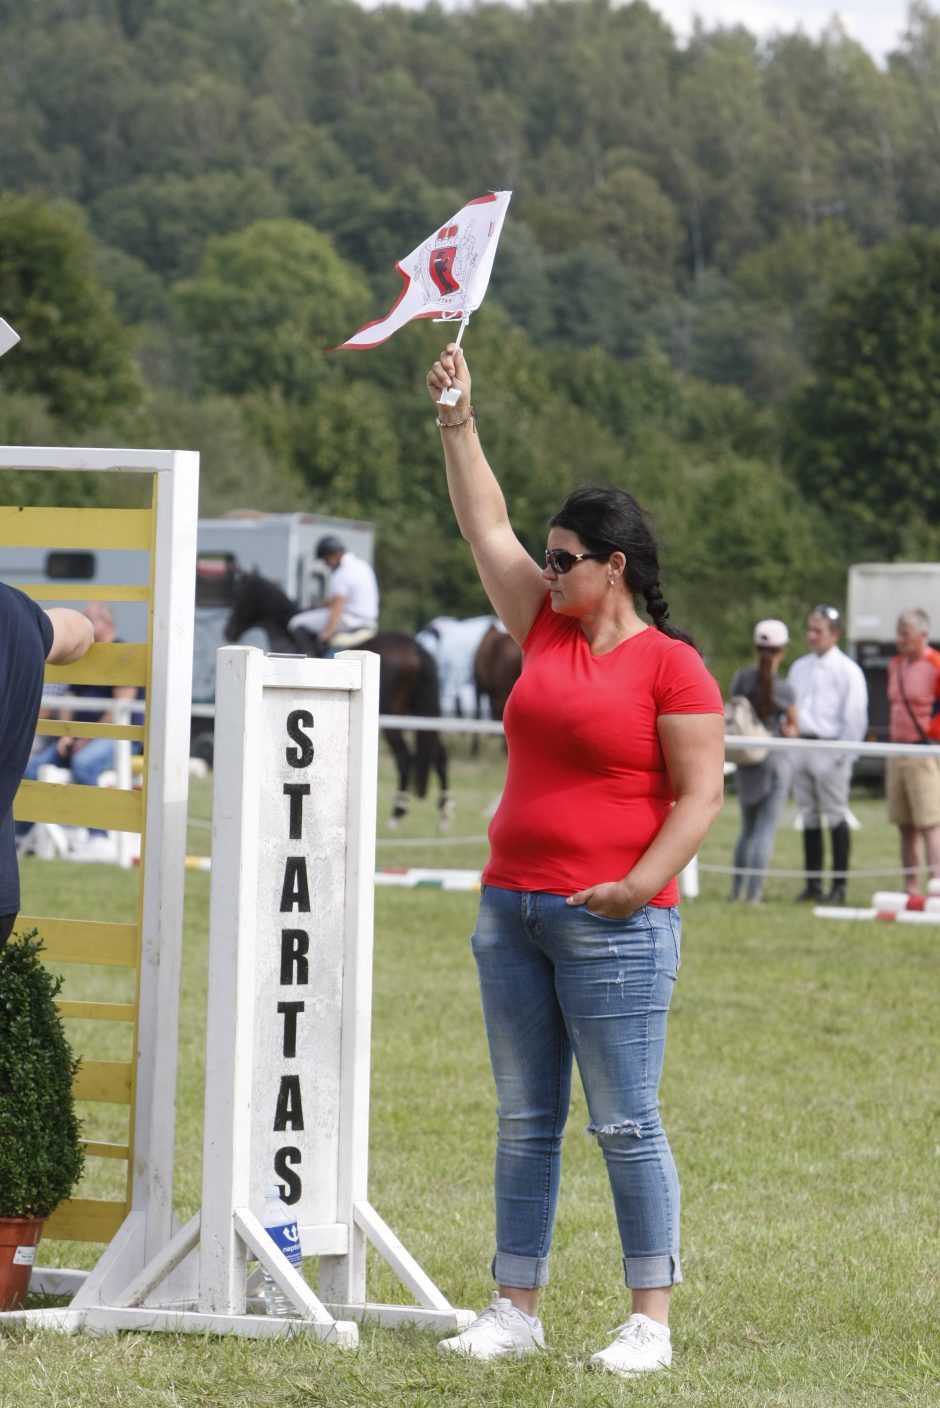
(562, 561)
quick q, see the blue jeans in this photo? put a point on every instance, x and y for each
(556, 981)
(755, 844)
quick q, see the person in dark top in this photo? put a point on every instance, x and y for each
(88, 758)
(29, 636)
(763, 787)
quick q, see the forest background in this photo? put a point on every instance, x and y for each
(718, 284)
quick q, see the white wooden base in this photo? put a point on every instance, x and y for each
(51, 1281)
(128, 1309)
(110, 1319)
(394, 1316)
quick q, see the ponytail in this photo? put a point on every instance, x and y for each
(658, 611)
(765, 685)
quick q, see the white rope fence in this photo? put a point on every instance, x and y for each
(834, 745)
(489, 727)
(449, 724)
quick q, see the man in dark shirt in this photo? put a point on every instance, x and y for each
(28, 637)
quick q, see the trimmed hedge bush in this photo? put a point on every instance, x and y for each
(41, 1158)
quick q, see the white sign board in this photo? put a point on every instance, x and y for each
(299, 949)
(290, 993)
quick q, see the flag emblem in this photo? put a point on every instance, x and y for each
(447, 274)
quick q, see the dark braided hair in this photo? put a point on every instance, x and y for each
(765, 705)
(611, 520)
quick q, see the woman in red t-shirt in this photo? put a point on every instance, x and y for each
(615, 773)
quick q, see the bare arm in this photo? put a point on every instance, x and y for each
(694, 748)
(511, 580)
(337, 605)
(72, 635)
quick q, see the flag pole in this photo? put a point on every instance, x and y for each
(451, 395)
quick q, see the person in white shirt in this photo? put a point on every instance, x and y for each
(831, 703)
(352, 607)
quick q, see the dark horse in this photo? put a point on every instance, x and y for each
(496, 667)
(407, 684)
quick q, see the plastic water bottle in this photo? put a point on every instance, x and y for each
(281, 1226)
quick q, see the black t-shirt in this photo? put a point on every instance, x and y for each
(25, 641)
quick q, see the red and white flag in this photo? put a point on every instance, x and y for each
(446, 276)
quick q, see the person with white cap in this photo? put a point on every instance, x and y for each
(350, 614)
(763, 787)
(832, 703)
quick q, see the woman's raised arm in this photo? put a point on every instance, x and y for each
(511, 579)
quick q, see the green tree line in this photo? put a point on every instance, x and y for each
(718, 285)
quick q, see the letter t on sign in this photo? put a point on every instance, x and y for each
(296, 791)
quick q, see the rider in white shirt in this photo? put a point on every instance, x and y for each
(831, 703)
(353, 602)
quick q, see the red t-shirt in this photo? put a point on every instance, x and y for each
(586, 784)
(921, 684)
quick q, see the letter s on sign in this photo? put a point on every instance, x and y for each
(292, 1184)
(302, 755)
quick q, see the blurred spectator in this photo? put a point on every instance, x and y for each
(87, 758)
(912, 784)
(831, 703)
(763, 787)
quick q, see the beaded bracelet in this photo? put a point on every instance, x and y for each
(453, 424)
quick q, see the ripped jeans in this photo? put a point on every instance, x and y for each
(556, 981)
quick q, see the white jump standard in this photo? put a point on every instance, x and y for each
(290, 986)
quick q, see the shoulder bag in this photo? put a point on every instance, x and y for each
(741, 721)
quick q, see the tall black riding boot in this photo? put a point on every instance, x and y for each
(812, 863)
(841, 845)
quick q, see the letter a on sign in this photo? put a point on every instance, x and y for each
(295, 892)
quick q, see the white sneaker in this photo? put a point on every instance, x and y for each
(499, 1331)
(641, 1346)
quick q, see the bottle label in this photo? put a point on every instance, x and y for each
(287, 1238)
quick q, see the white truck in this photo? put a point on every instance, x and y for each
(280, 546)
(878, 592)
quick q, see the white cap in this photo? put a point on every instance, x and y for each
(772, 634)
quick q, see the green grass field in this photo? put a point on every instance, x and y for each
(802, 1098)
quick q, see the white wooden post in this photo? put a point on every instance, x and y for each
(230, 1019)
(290, 995)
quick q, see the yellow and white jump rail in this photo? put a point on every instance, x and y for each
(138, 1222)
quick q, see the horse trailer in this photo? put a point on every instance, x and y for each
(280, 546)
